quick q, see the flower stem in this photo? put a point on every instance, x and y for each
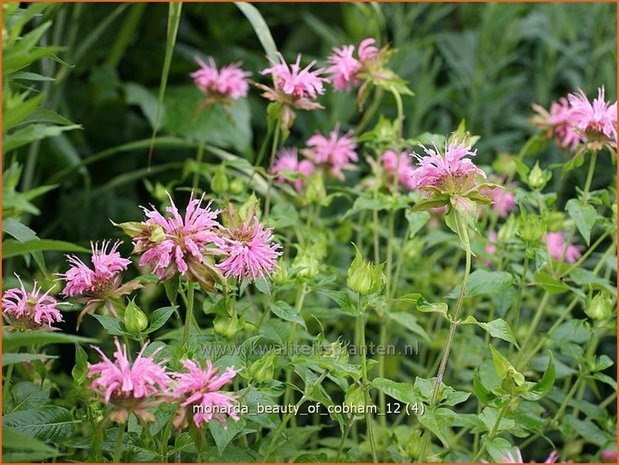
(118, 451)
(493, 431)
(590, 175)
(267, 204)
(371, 111)
(365, 381)
(189, 314)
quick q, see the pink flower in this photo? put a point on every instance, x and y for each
(558, 123)
(345, 67)
(392, 163)
(609, 455)
(559, 249)
(491, 245)
(107, 265)
(249, 250)
(335, 151)
(129, 386)
(452, 172)
(175, 243)
(200, 390)
(595, 121)
(30, 310)
(288, 161)
(509, 458)
(228, 83)
(503, 201)
(294, 81)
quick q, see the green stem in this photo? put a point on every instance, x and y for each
(189, 314)
(200, 154)
(494, 430)
(371, 111)
(267, 205)
(344, 436)
(536, 320)
(118, 451)
(365, 381)
(586, 255)
(590, 175)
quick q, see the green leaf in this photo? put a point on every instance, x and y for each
(27, 395)
(159, 318)
(484, 395)
(223, 436)
(31, 133)
(11, 359)
(260, 28)
(33, 449)
(499, 449)
(550, 284)
(482, 282)
(12, 248)
(80, 370)
(286, 312)
(409, 322)
(504, 369)
(584, 216)
(13, 340)
(403, 392)
(496, 328)
(426, 307)
(543, 386)
(416, 221)
(112, 325)
(49, 423)
(23, 233)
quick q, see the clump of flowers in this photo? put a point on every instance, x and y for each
(101, 284)
(400, 166)
(293, 87)
(335, 152)
(345, 68)
(248, 246)
(557, 123)
(288, 161)
(129, 386)
(560, 249)
(179, 243)
(28, 310)
(200, 391)
(228, 83)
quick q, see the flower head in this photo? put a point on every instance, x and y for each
(294, 81)
(335, 151)
(557, 123)
(288, 160)
(129, 386)
(200, 389)
(492, 241)
(228, 83)
(452, 172)
(30, 310)
(398, 165)
(596, 122)
(559, 249)
(179, 243)
(249, 249)
(345, 68)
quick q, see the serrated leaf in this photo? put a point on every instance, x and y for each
(500, 329)
(26, 395)
(111, 325)
(584, 216)
(482, 282)
(287, 312)
(543, 386)
(409, 322)
(403, 392)
(159, 317)
(12, 359)
(49, 423)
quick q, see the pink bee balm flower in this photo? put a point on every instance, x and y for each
(451, 172)
(400, 164)
(345, 67)
(595, 121)
(559, 249)
(30, 310)
(129, 386)
(558, 123)
(492, 240)
(288, 160)
(503, 201)
(228, 83)
(249, 250)
(296, 82)
(335, 151)
(106, 266)
(200, 390)
(174, 243)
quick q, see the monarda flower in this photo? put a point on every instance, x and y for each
(557, 123)
(30, 310)
(288, 162)
(179, 244)
(201, 395)
(335, 152)
(248, 246)
(559, 249)
(400, 166)
(596, 122)
(293, 87)
(345, 67)
(228, 83)
(129, 386)
(101, 284)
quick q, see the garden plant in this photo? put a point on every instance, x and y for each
(309, 233)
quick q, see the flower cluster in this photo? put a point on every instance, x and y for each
(288, 161)
(335, 152)
(28, 310)
(575, 121)
(228, 83)
(560, 249)
(138, 385)
(345, 68)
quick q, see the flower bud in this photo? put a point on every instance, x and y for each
(307, 264)
(315, 189)
(600, 307)
(363, 277)
(131, 228)
(157, 234)
(538, 177)
(135, 319)
(531, 228)
(219, 182)
(507, 231)
(280, 275)
(226, 325)
(263, 369)
(237, 186)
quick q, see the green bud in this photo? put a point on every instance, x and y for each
(364, 277)
(307, 264)
(157, 234)
(531, 228)
(226, 325)
(600, 307)
(263, 369)
(131, 228)
(250, 207)
(237, 186)
(508, 230)
(280, 276)
(344, 231)
(219, 182)
(414, 444)
(355, 396)
(135, 319)
(505, 164)
(538, 177)
(315, 189)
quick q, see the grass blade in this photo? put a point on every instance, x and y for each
(260, 27)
